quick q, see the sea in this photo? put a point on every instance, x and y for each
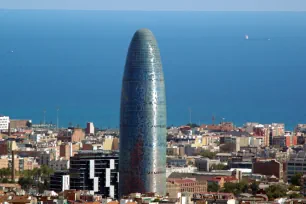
(74, 61)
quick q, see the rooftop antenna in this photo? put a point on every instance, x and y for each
(13, 165)
(45, 117)
(189, 115)
(57, 117)
(213, 119)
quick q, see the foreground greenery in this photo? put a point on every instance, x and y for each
(213, 187)
(296, 195)
(296, 179)
(276, 191)
(273, 191)
(38, 178)
(235, 188)
(208, 154)
(5, 173)
(219, 167)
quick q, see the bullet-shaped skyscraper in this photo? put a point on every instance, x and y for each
(142, 162)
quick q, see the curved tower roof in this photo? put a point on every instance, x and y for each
(142, 166)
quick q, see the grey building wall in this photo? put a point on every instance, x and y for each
(202, 164)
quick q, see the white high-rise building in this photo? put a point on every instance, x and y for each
(4, 123)
(90, 129)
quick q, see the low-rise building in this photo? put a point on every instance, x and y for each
(20, 163)
(71, 135)
(221, 180)
(204, 164)
(188, 185)
(4, 123)
(296, 164)
(214, 198)
(268, 167)
(223, 157)
(173, 161)
(59, 165)
(184, 169)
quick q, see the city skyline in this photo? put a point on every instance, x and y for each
(231, 128)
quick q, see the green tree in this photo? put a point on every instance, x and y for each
(45, 172)
(29, 124)
(296, 195)
(242, 186)
(208, 154)
(254, 187)
(276, 191)
(25, 182)
(192, 125)
(219, 167)
(294, 188)
(5, 172)
(38, 177)
(296, 179)
(230, 187)
(213, 187)
(236, 188)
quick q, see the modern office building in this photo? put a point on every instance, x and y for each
(95, 171)
(60, 181)
(143, 119)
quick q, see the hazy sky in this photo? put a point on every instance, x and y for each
(210, 5)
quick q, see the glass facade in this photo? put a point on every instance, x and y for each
(142, 163)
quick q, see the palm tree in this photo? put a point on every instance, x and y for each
(46, 171)
(1, 173)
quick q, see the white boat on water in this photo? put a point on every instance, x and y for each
(246, 37)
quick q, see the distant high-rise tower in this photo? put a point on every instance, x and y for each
(142, 166)
(90, 128)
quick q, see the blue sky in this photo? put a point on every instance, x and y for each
(187, 5)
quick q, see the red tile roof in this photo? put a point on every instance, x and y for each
(181, 181)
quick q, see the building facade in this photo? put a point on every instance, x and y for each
(4, 123)
(143, 119)
(202, 164)
(20, 164)
(58, 165)
(95, 171)
(268, 167)
(90, 128)
(187, 185)
(44, 158)
(296, 164)
(60, 181)
(19, 124)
